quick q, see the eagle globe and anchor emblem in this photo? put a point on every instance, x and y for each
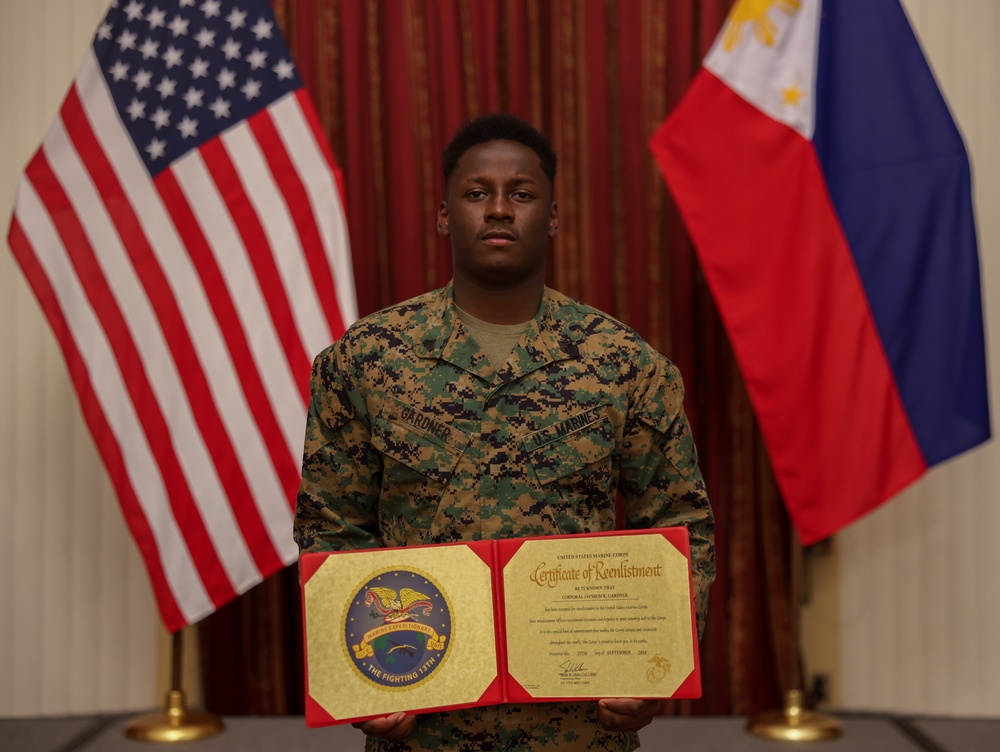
(397, 627)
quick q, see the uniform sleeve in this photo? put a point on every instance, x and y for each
(337, 505)
(660, 480)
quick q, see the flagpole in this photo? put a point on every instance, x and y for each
(794, 723)
(176, 723)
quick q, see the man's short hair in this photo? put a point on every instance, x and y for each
(499, 126)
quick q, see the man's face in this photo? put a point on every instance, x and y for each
(499, 214)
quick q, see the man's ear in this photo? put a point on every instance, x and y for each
(443, 218)
(553, 220)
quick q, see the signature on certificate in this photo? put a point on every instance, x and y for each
(569, 668)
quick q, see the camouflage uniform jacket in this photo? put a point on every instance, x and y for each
(412, 438)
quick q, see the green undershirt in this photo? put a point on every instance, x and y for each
(497, 341)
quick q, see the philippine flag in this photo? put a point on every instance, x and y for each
(828, 194)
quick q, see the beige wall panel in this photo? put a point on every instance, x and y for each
(78, 626)
(920, 578)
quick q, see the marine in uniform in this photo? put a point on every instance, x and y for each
(420, 433)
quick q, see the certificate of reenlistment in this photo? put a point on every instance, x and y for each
(599, 616)
(521, 620)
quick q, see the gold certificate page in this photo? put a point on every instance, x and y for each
(606, 616)
(399, 629)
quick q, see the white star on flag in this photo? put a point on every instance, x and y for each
(161, 118)
(226, 79)
(167, 87)
(137, 109)
(284, 69)
(251, 89)
(133, 10)
(119, 71)
(188, 127)
(156, 149)
(257, 59)
(126, 40)
(205, 38)
(262, 29)
(172, 56)
(149, 48)
(178, 26)
(193, 97)
(231, 48)
(156, 18)
(142, 79)
(220, 107)
(210, 8)
(237, 19)
(199, 68)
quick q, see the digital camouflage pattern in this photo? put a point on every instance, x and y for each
(413, 438)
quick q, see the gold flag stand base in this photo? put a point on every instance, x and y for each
(794, 723)
(175, 724)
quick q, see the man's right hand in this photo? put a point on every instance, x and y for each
(392, 728)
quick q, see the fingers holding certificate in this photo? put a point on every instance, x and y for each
(626, 714)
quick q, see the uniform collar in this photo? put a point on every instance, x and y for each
(548, 338)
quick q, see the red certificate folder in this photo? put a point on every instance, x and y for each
(427, 628)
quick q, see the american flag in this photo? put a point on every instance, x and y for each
(181, 226)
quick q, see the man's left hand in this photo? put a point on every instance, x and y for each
(623, 714)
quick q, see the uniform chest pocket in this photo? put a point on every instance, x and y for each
(422, 445)
(567, 447)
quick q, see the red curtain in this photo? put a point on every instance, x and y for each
(392, 80)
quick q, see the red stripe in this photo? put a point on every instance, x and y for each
(104, 436)
(88, 270)
(261, 255)
(312, 118)
(753, 196)
(178, 339)
(212, 279)
(296, 199)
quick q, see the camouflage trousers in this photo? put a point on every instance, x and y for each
(567, 727)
